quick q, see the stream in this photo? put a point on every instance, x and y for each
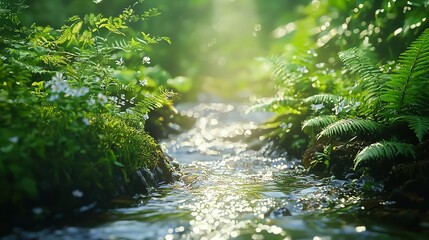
(230, 192)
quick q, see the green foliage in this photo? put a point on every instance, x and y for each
(376, 96)
(370, 81)
(351, 127)
(419, 124)
(318, 123)
(324, 98)
(406, 91)
(380, 151)
(74, 101)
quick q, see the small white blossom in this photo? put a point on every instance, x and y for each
(316, 107)
(58, 77)
(119, 62)
(97, 1)
(113, 99)
(146, 60)
(302, 69)
(55, 88)
(320, 65)
(145, 116)
(143, 82)
(129, 111)
(101, 98)
(53, 97)
(81, 91)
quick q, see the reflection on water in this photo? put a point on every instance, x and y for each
(228, 192)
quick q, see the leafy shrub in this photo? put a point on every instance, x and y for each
(74, 102)
(375, 101)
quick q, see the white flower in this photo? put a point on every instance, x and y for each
(320, 65)
(317, 107)
(97, 1)
(143, 82)
(101, 98)
(81, 91)
(113, 98)
(53, 97)
(302, 69)
(119, 62)
(146, 59)
(58, 77)
(55, 88)
(145, 117)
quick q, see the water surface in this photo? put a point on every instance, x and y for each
(229, 192)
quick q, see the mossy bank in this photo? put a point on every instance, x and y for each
(54, 168)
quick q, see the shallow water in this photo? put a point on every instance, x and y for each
(228, 192)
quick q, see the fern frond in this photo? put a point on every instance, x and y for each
(419, 124)
(154, 100)
(324, 98)
(407, 90)
(372, 79)
(384, 150)
(319, 122)
(351, 126)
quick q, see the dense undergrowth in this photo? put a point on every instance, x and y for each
(352, 93)
(74, 102)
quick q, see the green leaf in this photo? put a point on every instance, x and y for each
(383, 151)
(352, 126)
(419, 124)
(407, 90)
(318, 122)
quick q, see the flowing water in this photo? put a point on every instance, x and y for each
(230, 192)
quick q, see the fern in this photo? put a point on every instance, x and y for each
(372, 79)
(419, 124)
(351, 126)
(324, 98)
(319, 122)
(154, 100)
(384, 150)
(407, 90)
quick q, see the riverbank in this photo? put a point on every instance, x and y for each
(57, 170)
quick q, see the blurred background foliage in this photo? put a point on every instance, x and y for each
(213, 40)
